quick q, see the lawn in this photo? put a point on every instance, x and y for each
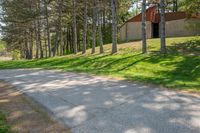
(180, 69)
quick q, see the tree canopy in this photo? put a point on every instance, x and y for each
(45, 28)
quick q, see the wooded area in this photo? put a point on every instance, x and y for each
(47, 28)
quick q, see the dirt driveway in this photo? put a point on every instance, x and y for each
(25, 116)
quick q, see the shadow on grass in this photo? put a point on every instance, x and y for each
(190, 47)
(132, 64)
(68, 62)
(185, 73)
(109, 64)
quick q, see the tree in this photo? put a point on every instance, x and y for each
(162, 27)
(74, 27)
(94, 26)
(56, 27)
(60, 6)
(85, 26)
(39, 28)
(100, 28)
(47, 26)
(114, 27)
(144, 42)
(19, 26)
(190, 6)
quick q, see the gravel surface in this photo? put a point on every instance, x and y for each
(92, 104)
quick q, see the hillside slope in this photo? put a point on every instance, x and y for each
(180, 69)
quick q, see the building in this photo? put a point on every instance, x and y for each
(177, 25)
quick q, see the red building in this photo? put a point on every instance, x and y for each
(177, 24)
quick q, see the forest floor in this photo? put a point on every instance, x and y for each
(179, 69)
(18, 114)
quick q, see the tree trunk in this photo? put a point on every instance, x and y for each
(114, 27)
(26, 46)
(31, 46)
(56, 42)
(47, 27)
(45, 44)
(68, 40)
(144, 42)
(162, 27)
(39, 30)
(94, 28)
(71, 39)
(78, 39)
(39, 39)
(100, 28)
(36, 41)
(60, 26)
(85, 28)
(74, 27)
(104, 18)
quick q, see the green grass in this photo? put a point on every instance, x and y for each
(180, 69)
(4, 128)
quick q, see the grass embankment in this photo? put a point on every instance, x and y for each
(180, 69)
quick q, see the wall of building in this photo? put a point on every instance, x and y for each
(123, 33)
(175, 28)
(132, 31)
(182, 27)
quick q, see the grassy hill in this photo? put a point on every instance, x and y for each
(180, 69)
